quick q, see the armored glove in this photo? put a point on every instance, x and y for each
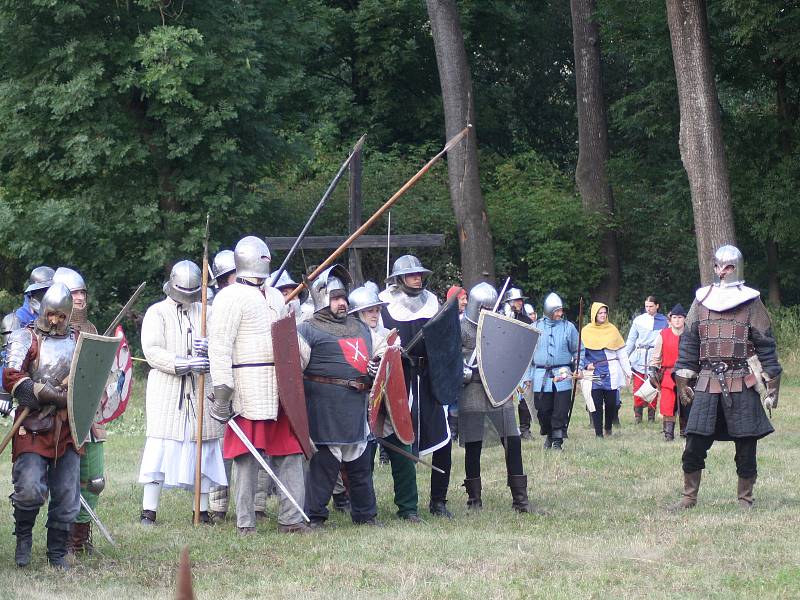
(47, 394)
(195, 364)
(467, 375)
(773, 385)
(200, 346)
(26, 397)
(221, 408)
(655, 376)
(683, 386)
(373, 365)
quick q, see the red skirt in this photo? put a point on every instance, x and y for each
(667, 406)
(274, 438)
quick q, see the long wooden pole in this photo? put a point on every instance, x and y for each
(201, 380)
(386, 206)
(14, 428)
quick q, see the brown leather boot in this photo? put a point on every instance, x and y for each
(669, 431)
(637, 414)
(651, 414)
(519, 495)
(80, 538)
(745, 492)
(691, 486)
(473, 487)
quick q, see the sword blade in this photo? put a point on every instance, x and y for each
(257, 455)
(408, 455)
(125, 309)
(97, 521)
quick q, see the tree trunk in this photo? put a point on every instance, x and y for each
(590, 175)
(701, 144)
(475, 237)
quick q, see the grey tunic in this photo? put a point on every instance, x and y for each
(478, 420)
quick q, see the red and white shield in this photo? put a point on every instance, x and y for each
(355, 351)
(118, 387)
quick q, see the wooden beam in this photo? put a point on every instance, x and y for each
(324, 242)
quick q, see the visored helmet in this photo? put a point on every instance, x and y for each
(331, 279)
(70, 278)
(252, 258)
(482, 295)
(729, 256)
(57, 299)
(551, 304)
(362, 298)
(185, 283)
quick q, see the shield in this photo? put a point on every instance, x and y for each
(442, 334)
(119, 384)
(389, 395)
(88, 374)
(289, 374)
(505, 350)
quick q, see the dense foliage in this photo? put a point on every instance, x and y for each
(123, 123)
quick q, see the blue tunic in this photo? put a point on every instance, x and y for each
(557, 347)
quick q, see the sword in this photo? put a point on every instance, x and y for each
(471, 364)
(97, 521)
(125, 309)
(408, 455)
(257, 455)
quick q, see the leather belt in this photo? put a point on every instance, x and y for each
(352, 384)
(718, 369)
(261, 364)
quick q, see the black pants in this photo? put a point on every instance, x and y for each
(323, 470)
(694, 455)
(472, 457)
(443, 459)
(524, 416)
(605, 401)
(552, 410)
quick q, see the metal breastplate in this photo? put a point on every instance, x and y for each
(724, 336)
(54, 360)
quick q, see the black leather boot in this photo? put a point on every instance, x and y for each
(519, 495)
(57, 548)
(473, 487)
(23, 529)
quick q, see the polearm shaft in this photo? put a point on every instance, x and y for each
(578, 359)
(317, 210)
(257, 455)
(201, 379)
(14, 428)
(386, 206)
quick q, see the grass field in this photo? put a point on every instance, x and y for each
(607, 534)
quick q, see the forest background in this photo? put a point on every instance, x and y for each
(123, 123)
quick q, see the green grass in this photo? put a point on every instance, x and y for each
(607, 534)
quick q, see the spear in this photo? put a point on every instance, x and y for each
(386, 206)
(331, 187)
(201, 378)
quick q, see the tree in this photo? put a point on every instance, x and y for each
(591, 174)
(475, 238)
(701, 144)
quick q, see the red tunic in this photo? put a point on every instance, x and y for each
(275, 438)
(669, 356)
(43, 444)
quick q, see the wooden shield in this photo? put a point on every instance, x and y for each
(505, 350)
(389, 396)
(289, 374)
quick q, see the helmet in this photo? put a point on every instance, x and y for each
(371, 285)
(184, 285)
(252, 258)
(58, 298)
(70, 278)
(408, 264)
(514, 294)
(285, 280)
(729, 256)
(6, 327)
(223, 264)
(333, 278)
(551, 304)
(482, 295)
(362, 298)
(41, 277)
(529, 309)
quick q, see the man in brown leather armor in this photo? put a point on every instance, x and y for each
(727, 369)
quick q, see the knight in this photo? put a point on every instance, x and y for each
(728, 371)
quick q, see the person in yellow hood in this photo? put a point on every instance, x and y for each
(604, 355)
